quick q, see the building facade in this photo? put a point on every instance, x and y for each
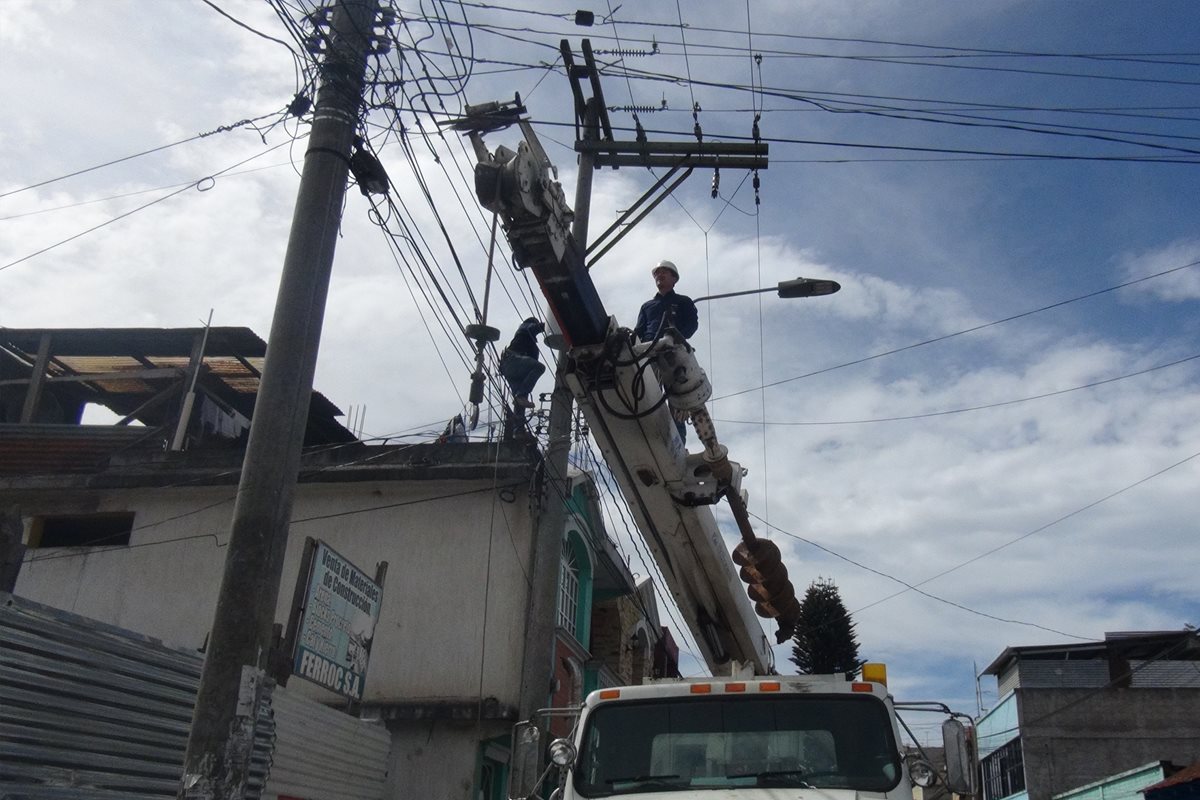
(117, 524)
(1071, 715)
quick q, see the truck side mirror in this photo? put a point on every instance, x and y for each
(960, 776)
(524, 766)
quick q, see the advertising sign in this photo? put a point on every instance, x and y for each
(341, 608)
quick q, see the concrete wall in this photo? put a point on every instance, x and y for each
(458, 554)
(438, 760)
(1072, 737)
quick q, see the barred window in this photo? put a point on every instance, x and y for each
(568, 590)
(1004, 771)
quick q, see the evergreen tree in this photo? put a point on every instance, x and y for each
(824, 642)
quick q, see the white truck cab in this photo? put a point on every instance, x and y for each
(726, 739)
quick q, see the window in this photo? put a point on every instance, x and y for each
(778, 741)
(575, 588)
(568, 590)
(82, 530)
(1004, 771)
(493, 770)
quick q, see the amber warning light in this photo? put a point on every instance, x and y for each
(875, 673)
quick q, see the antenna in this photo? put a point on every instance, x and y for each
(978, 691)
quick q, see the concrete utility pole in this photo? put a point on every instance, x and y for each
(222, 733)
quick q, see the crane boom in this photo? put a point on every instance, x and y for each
(617, 383)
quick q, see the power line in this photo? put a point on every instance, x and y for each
(999, 404)
(195, 184)
(1166, 653)
(1037, 530)
(961, 120)
(1008, 154)
(123, 195)
(741, 52)
(919, 61)
(219, 129)
(811, 99)
(912, 586)
(972, 329)
(854, 40)
(243, 25)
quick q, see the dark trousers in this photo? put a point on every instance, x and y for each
(521, 372)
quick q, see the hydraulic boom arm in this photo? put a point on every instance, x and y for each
(627, 392)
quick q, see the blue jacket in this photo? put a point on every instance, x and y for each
(524, 341)
(679, 310)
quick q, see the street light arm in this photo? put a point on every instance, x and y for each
(797, 287)
(731, 294)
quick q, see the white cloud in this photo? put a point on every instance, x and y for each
(1177, 287)
(922, 249)
(25, 30)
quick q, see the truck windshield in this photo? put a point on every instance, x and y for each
(781, 741)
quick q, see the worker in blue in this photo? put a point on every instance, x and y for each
(519, 362)
(666, 309)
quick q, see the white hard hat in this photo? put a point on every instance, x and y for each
(664, 264)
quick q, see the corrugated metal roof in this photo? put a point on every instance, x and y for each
(76, 449)
(1129, 644)
(86, 364)
(139, 341)
(1185, 775)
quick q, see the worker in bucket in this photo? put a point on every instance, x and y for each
(666, 309)
(519, 362)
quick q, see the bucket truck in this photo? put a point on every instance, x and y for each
(813, 736)
(742, 734)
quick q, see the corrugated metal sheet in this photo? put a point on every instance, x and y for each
(89, 710)
(1055, 674)
(1165, 674)
(92, 711)
(1008, 680)
(41, 449)
(323, 754)
(1093, 673)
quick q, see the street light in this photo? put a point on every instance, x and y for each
(797, 287)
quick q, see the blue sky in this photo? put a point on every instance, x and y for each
(926, 241)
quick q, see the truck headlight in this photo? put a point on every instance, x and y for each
(922, 773)
(562, 752)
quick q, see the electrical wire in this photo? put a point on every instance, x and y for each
(965, 331)
(243, 25)
(1037, 530)
(136, 193)
(982, 407)
(122, 159)
(913, 586)
(1184, 643)
(194, 185)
